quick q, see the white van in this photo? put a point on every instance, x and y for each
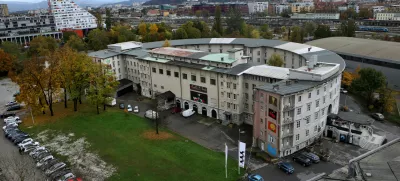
(113, 102)
(188, 113)
(151, 114)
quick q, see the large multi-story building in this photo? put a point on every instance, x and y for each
(225, 7)
(281, 8)
(68, 15)
(388, 16)
(257, 7)
(315, 16)
(301, 7)
(3, 10)
(23, 29)
(223, 78)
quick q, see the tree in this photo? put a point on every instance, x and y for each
(386, 100)
(180, 34)
(215, 34)
(99, 21)
(255, 34)
(98, 40)
(322, 31)
(370, 81)
(76, 43)
(42, 46)
(265, 32)
(309, 28)
(235, 22)
(108, 19)
(166, 43)
(275, 60)
(198, 13)
(217, 23)
(122, 33)
(11, 48)
(6, 61)
(153, 29)
(286, 13)
(365, 13)
(296, 35)
(348, 28)
(348, 14)
(142, 29)
(68, 34)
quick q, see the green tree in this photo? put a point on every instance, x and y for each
(99, 22)
(11, 48)
(365, 13)
(42, 46)
(142, 29)
(198, 13)
(255, 34)
(76, 43)
(235, 21)
(68, 34)
(309, 28)
(121, 33)
(275, 60)
(6, 61)
(286, 13)
(348, 28)
(296, 35)
(348, 14)
(217, 23)
(98, 39)
(108, 19)
(322, 31)
(215, 34)
(265, 32)
(369, 81)
(180, 34)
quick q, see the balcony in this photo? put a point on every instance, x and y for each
(284, 147)
(288, 107)
(287, 120)
(286, 133)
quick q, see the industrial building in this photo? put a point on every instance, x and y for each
(223, 78)
(333, 16)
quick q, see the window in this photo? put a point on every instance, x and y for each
(234, 86)
(318, 92)
(234, 106)
(323, 111)
(246, 85)
(184, 76)
(261, 133)
(262, 121)
(222, 83)
(234, 96)
(330, 95)
(119, 70)
(162, 87)
(212, 81)
(161, 71)
(228, 105)
(193, 78)
(297, 137)
(309, 95)
(307, 132)
(228, 85)
(155, 85)
(325, 89)
(118, 64)
(113, 64)
(299, 111)
(316, 115)
(229, 95)
(176, 74)
(324, 100)
(315, 128)
(307, 119)
(254, 86)
(271, 139)
(202, 79)
(309, 106)
(168, 73)
(298, 124)
(246, 96)
(299, 98)
(317, 103)
(222, 94)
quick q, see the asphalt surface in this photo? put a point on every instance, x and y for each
(9, 155)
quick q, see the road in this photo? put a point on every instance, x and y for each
(12, 163)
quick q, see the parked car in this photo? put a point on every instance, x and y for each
(66, 177)
(378, 116)
(129, 108)
(12, 119)
(26, 141)
(188, 113)
(255, 177)
(42, 155)
(14, 107)
(286, 167)
(313, 157)
(28, 148)
(122, 106)
(136, 109)
(17, 139)
(176, 110)
(48, 164)
(302, 160)
(59, 173)
(44, 160)
(344, 91)
(39, 149)
(10, 125)
(75, 179)
(55, 167)
(11, 132)
(6, 115)
(151, 114)
(39, 154)
(11, 103)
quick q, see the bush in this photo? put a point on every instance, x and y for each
(370, 107)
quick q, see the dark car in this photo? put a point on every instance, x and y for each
(20, 138)
(49, 164)
(313, 157)
(14, 107)
(122, 106)
(176, 110)
(7, 114)
(255, 177)
(42, 155)
(60, 173)
(302, 160)
(378, 116)
(286, 167)
(12, 134)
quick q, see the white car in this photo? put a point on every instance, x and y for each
(29, 144)
(151, 114)
(44, 160)
(344, 91)
(55, 167)
(11, 103)
(42, 148)
(66, 177)
(188, 113)
(9, 125)
(129, 108)
(25, 141)
(136, 109)
(12, 119)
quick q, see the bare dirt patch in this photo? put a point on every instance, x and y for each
(152, 135)
(90, 165)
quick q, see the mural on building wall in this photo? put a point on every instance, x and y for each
(271, 150)
(272, 126)
(198, 94)
(272, 113)
(273, 101)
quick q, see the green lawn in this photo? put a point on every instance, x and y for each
(118, 140)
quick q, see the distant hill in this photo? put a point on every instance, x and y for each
(159, 2)
(14, 6)
(126, 3)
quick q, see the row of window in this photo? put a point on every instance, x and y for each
(308, 118)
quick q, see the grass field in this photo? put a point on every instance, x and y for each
(128, 143)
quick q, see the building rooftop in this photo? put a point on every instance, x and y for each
(268, 71)
(124, 46)
(383, 165)
(374, 49)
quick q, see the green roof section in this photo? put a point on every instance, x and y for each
(208, 68)
(218, 57)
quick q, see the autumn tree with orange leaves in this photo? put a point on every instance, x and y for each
(348, 77)
(6, 61)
